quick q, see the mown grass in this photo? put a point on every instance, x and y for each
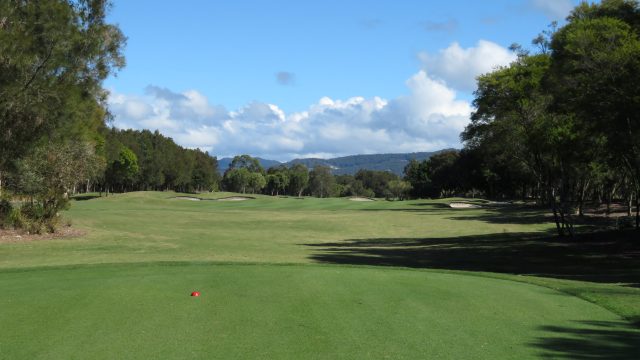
(264, 311)
(57, 301)
(156, 227)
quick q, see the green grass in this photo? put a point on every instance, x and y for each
(316, 278)
(294, 312)
(154, 227)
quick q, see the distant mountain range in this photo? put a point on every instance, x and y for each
(350, 165)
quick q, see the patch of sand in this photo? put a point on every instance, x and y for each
(461, 205)
(361, 199)
(236, 198)
(187, 198)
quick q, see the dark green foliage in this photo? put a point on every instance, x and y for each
(563, 125)
(54, 55)
(236, 180)
(244, 175)
(376, 181)
(321, 182)
(161, 163)
(123, 170)
(5, 210)
(277, 180)
(416, 174)
(399, 189)
(298, 179)
(47, 176)
(245, 161)
(443, 172)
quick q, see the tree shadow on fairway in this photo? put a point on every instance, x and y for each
(608, 257)
(85, 197)
(590, 340)
(527, 215)
(426, 208)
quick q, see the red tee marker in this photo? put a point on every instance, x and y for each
(195, 293)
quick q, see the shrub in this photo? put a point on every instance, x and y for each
(5, 211)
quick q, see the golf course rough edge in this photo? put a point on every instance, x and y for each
(279, 311)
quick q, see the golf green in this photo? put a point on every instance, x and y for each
(144, 311)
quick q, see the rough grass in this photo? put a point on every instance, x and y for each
(455, 303)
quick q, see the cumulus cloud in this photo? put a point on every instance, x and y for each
(458, 67)
(553, 9)
(285, 78)
(429, 117)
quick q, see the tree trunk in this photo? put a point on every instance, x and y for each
(583, 190)
(554, 208)
(637, 210)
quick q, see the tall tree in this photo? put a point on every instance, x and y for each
(54, 55)
(245, 161)
(596, 71)
(416, 173)
(122, 171)
(298, 179)
(321, 182)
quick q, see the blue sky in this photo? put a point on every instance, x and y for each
(284, 79)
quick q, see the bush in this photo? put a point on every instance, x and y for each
(32, 218)
(5, 211)
(32, 211)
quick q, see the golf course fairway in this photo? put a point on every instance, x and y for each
(252, 311)
(286, 278)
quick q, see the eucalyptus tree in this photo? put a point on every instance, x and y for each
(514, 119)
(298, 179)
(54, 55)
(321, 182)
(596, 72)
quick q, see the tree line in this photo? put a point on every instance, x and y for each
(246, 175)
(54, 55)
(559, 125)
(145, 160)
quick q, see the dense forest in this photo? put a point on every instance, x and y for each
(142, 160)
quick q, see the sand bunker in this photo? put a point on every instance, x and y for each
(460, 205)
(361, 199)
(236, 198)
(190, 198)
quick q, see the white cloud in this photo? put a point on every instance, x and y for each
(429, 117)
(553, 9)
(459, 67)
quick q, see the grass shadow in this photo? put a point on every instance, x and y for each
(527, 215)
(589, 340)
(85, 197)
(607, 257)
